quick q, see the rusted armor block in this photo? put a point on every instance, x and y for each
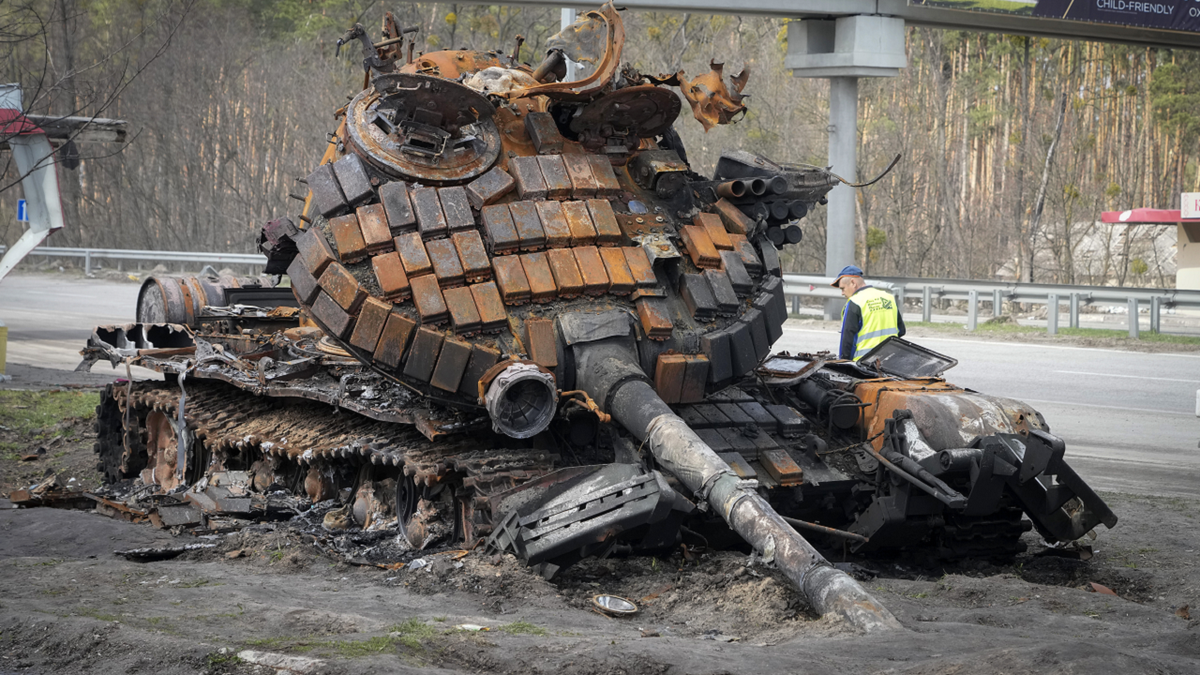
(554, 172)
(715, 346)
(489, 187)
(764, 303)
(372, 220)
(739, 278)
(780, 466)
(770, 257)
(475, 263)
(327, 194)
(482, 358)
(412, 255)
(698, 296)
(741, 348)
(348, 237)
(791, 424)
(606, 179)
(343, 288)
(431, 221)
(639, 267)
(463, 314)
(394, 340)
(492, 315)
(583, 232)
(695, 379)
(352, 176)
(566, 272)
(715, 229)
(335, 319)
(668, 376)
(541, 280)
(452, 362)
(398, 207)
(540, 341)
(758, 333)
(749, 257)
(699, 246)
(423, 356)
(389, 272)
(554, 224)
(656, 319)
(427, 296)
(529, 225)
(315, 251)
(446, 266)
(620, 279)
(511, 281)
(608, 232)
(591, 268)
(583, 183)
(499, 228)
(739, 465)
(544, 133)
(727, 300)
(456, 207)
(640, 293)
(528, 176)
(735, 221)
(304, 285)
(371, 319)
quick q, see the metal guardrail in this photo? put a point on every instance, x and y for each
(90, 254)
(1051, 295)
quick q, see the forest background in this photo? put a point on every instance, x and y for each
(229, 101)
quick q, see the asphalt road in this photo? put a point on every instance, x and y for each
(1128, 418)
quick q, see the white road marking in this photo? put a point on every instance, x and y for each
(1110, 407)
(1131, 377)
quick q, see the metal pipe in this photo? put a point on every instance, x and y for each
(732, 189)
(679, 450)
(553, 60)
(777, 185)
(832, 531)
(758, 187)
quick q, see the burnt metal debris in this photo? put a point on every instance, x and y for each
(517, 316)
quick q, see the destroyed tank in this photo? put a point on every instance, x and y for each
(517, 316)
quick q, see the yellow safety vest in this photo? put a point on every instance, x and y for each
(880, 319)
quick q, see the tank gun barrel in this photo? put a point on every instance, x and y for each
(609, 373)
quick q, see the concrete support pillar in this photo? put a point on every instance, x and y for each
(1155, 314)
(1074, 310)
(1052, 314)
(1133, 318)
(843, 157)
(926, 304)
(997, 303)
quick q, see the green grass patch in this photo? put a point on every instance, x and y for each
(29, 412)
(1123, 334)
(522, 628)
(408, 635)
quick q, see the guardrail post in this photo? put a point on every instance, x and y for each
(972, 310)
(997, 303)
(926, 304)
(1133, 318)
(1074, 310)
(1155, 314)
(1052, 314)
(795, 304)
(87, 263)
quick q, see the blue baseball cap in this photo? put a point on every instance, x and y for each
(847, 271)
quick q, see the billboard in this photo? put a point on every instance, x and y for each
(1180, 15)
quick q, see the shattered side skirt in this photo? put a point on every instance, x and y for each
(583, 512)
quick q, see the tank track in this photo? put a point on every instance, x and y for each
(997, 535)
(296, 436)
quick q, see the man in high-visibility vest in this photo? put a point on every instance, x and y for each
(869, 317)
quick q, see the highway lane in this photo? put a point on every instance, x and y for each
(1128, 417)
